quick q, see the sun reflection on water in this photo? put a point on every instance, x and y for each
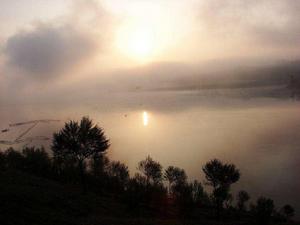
(145, 118)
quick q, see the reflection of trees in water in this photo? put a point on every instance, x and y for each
(21, 137)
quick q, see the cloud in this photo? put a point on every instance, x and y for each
(269, 22)
(47, 50)
(45, 58)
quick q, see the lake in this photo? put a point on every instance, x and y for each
(261, 136)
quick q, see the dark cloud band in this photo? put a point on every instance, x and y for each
(48, 50)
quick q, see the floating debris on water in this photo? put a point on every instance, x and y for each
(20, 138)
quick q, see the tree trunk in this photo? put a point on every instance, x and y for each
(82, 177)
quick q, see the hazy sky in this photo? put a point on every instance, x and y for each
(55, 44)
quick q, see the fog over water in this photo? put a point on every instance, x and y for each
(186, 129)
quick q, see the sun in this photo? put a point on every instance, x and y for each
(137, 42)
(141, 43)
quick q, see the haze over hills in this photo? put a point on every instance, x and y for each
(173, 76)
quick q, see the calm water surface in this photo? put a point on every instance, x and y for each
(186, 129)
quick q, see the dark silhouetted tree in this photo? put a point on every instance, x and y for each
(199, 196)
(263, 210)
(14, 159)
(288, 211)
(36, 161)
(81, 141)
(66, 168)
(99, 164)
(152, 170)
(174, 175)
(2, 161)
(242, 198)
(118, 174)
(220, 176)
(189, 196)
(154, 192)
(136, 192)
(183, 194)
(228, 201)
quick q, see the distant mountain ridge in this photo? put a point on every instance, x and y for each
(171, 77)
